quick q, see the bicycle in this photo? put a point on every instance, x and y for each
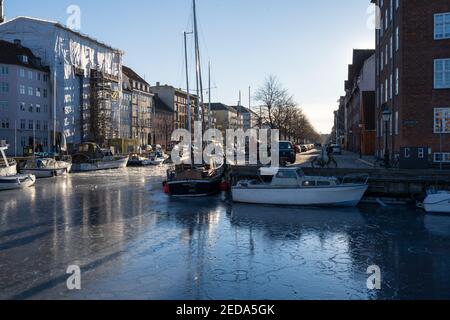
(321, 162)
(393, 163)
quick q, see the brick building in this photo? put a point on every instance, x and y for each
(413, 76)
(360, 103)
(163, 123)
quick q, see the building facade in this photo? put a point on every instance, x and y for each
(226, 117)
(141, 107)
(163, 123)
(413, 77)
(25, 102)
(360, 103)
(86, 74)
(247, 118)
(177, 101)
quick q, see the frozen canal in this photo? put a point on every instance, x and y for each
(132, 242)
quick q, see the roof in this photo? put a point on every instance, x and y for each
(221, 107)
(160, 105)
(130, 73)
(63, 27)
(359, 57)
(10, 52)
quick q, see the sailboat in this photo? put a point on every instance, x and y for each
(9, 179)
(187, 180)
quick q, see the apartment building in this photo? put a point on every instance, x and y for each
(25, 102)
(413, 77)
(177, 101)
(360, 103)
(141, 106)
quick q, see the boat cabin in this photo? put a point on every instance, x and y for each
(294, 177)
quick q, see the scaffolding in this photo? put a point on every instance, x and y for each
(98, 118)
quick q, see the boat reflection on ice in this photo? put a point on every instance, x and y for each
(307, 217)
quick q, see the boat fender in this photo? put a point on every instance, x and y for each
(166, 188)
(224, 186)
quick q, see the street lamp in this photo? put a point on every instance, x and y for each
(387, 114)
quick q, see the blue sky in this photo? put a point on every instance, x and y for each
(306, 44)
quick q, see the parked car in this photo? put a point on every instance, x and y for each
(287, 152)
(303, 148)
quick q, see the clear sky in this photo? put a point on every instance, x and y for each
(306, 44)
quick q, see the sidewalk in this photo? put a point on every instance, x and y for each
(347, 160)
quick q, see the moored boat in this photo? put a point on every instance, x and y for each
(437, 201)
(194, 181)
(7, 167)
(90, 157)
(46, 167)
(138, 161)
(20, 181)
(289, 186)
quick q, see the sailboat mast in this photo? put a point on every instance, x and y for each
(187, 85)
(198, 67)
(209, 95)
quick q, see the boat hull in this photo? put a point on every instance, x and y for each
(100, 165)
(342, 196)
(8, 171)
(437, 203)
(47, 173)
(17, 182)
(194, 188)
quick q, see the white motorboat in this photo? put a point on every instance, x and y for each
(7, 167)
(46, 167)
(91, 158)
(9, 179)
(158, 158)
(437, 201)
(20, 181)
(289, 186)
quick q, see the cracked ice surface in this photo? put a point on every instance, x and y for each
(133, 242)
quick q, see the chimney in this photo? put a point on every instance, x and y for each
(2, 16)
(157, 84)
(17, 42)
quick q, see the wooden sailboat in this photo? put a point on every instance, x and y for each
(194, 180)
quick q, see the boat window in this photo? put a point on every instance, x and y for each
(309, 183)
(287, 175)
(323, 183)
(285, 145)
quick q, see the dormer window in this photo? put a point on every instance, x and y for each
(24, 59)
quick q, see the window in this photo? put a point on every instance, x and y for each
(38, 76)
(22, 106)
(442, 73)
(442, 120)
(30, 108)
(397, 81)
(390, 86)
(4, 87)
(24, 59)
(396, 4)
(397, 38)
(22, 89)
(23, 141)
(382, 93)
(45, 93)
(396, 123)
(391, 47)
(22, 124)
(4, 70)
(30, 124)
(30, 91)
(38, 108)
(386, 20)
(442, 26)
(45, 125)
(3, 105)
(38, 125)
(30, 75)
(441, 157)
(38, 92)
(382, 61)
(5, 124)
(45, 108)
(22, 73)
(387, 54)
(45, 78)
(386, 89)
